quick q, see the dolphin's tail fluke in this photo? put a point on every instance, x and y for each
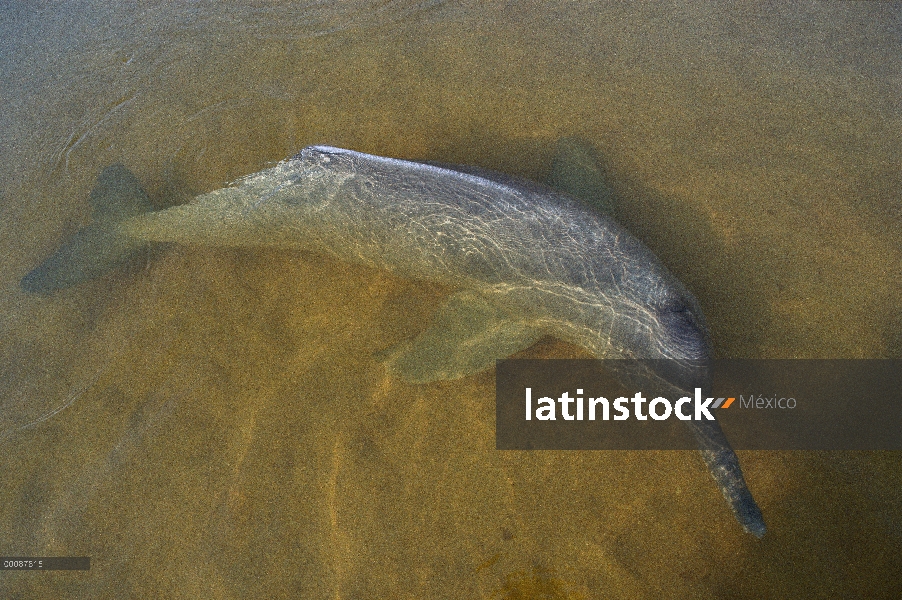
(99, 247)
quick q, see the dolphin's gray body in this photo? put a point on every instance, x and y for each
(528, 261)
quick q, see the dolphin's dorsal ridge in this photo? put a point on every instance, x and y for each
(467, 335)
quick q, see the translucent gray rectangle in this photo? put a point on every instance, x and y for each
(760, 405)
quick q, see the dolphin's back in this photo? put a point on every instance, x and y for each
(474, 225)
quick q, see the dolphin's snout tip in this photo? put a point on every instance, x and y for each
(756, 529)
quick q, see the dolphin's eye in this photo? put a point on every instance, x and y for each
(685, 329)
(680, 314)
(671, 304)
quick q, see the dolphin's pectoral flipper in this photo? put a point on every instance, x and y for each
(467, 335)
(577, 170)
(97, 248)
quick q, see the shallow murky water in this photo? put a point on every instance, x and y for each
(224, 430)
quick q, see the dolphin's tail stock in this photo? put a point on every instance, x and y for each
(97, 248)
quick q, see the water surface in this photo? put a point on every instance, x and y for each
(223, 428)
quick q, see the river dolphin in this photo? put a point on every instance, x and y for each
(527, 261)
